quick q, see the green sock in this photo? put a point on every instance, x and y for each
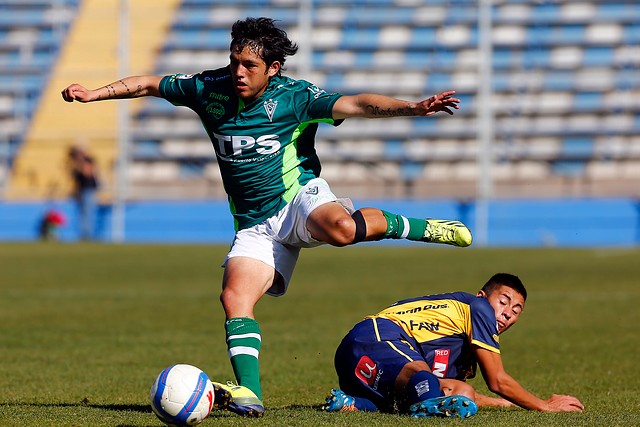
(400, 227)
(243, 341)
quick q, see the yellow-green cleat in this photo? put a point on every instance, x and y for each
(449, 232)
(237, 399)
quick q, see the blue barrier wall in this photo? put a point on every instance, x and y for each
(582, 222)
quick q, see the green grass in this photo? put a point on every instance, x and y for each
(86, 328)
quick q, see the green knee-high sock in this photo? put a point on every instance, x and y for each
(243, 341)
(400, 227)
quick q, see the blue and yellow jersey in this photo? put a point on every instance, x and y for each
(445, 326)
(265, 149)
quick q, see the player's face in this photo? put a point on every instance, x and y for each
(507, 303)
(250, 73)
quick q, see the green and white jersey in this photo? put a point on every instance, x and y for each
(265, 150)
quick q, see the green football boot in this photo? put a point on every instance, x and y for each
(449, 232)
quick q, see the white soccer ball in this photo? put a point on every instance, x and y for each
(182, 395)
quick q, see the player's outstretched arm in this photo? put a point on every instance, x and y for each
(506, 386)
(128, 87)
(488, 401)
(378, 106)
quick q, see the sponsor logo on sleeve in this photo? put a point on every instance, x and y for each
(317, 92)
(184, 76)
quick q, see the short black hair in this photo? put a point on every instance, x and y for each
(505, 279)
(261, 35)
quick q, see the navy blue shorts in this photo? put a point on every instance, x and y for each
(370, 357)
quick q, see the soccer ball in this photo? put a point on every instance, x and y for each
(182, 395)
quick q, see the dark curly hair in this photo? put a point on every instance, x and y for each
(262, 36)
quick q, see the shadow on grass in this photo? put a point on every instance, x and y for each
(83, 404)
(146, 409)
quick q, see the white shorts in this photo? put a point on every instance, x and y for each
(277, 240)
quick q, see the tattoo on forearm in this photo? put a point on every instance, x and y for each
(111, 91)
(125, 86)
(375, 110)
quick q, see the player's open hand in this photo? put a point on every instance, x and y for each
(440, 102)
(76, 92)
(563, 403)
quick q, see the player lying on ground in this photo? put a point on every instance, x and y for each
(415, 355)
(262, 126)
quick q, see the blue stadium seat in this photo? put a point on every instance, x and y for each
(410, 171)
(544, 12)
(631, 32)
(569, 34)
(598, 56)
(580, 148)
(618, 11)
(22, 18)
(536, 57)
(191, 169)
(504, 58)
(444, 58)
(198, 39)
(379, 16)
(438, 82)
(587, 101)
(363, 59)
(423, 38)
(559, 80)
(394, 149)
(147, 149)
(360, 38)
(441, 61)
(568, 168)
(461, 12)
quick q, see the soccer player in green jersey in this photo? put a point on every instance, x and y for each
(262, 126)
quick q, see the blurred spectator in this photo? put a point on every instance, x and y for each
(49, 224)
(84, 175)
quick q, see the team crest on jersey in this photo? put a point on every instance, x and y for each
(215, 109)
(270, 108)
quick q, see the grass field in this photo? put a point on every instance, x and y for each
(85, 328)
